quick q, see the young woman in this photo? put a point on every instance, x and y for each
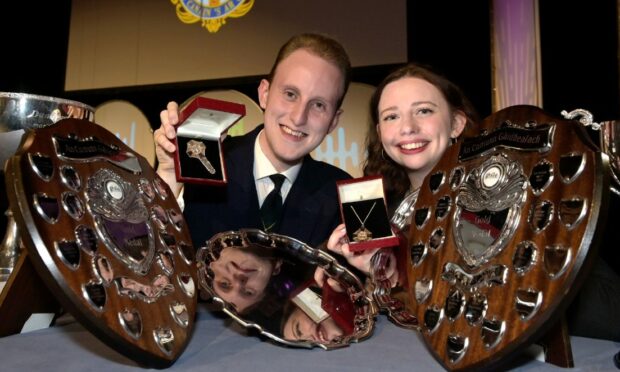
(416, 114)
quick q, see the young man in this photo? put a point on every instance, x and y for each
(301, 100)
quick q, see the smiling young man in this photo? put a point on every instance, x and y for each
(301, 99)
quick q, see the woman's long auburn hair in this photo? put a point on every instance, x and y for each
(395, 178)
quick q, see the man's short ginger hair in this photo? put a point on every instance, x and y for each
(322, 46)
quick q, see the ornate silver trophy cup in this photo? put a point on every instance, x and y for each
(18, 113)
(609, 141)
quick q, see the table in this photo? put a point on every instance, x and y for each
(219, 344)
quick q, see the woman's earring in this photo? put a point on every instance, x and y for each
(453, 140)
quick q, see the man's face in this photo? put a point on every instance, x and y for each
(300, 107)
(240, 277)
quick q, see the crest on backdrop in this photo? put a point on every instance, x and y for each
(212, 13)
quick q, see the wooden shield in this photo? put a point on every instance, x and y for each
(106, 235)
(502, 236)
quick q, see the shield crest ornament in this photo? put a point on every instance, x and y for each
(121, 218)
(107, 237)
(488, 209)
(528, 193)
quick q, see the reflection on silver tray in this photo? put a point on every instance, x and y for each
(381, 288)
(272, 270)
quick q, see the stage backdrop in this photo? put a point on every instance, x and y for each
(120, 43)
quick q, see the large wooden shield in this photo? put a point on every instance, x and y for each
(503, 235)
(106, 235)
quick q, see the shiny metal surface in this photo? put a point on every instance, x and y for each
(26, 111)
(609, 141)
(22, 111)
(276, 291)
(610, 144)
(18, 113)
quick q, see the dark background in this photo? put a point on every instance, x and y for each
(579, 46)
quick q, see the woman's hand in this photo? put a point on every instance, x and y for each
(361, 260)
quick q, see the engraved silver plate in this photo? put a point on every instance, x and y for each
(488, 208)
(164, 337)
(42, 166)
(443, 207)
(436, 181)
(131, 322)
(47, 207)
(572, 211)
(70, 177)
(421, 216)
(179, 313)
(571, 166)
(527, 302)
(556, 260)
(456, 177)
(475, 308)
(456, 347)
(432, 318)
(541, 215)
(454, 303)
(525, 257)
(69, 253)
(437, 239)
(418, 252)
(423, 288)
(492, 331)
(95, 295)
(541, 176)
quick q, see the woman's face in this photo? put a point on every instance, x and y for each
(240, 277)
(416, 125)
(300, 327)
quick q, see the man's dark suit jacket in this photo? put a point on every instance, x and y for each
(311, 209)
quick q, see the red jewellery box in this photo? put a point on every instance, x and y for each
(204, 123)
(364, 213)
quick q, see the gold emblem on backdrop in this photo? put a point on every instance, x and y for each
(212, 13)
